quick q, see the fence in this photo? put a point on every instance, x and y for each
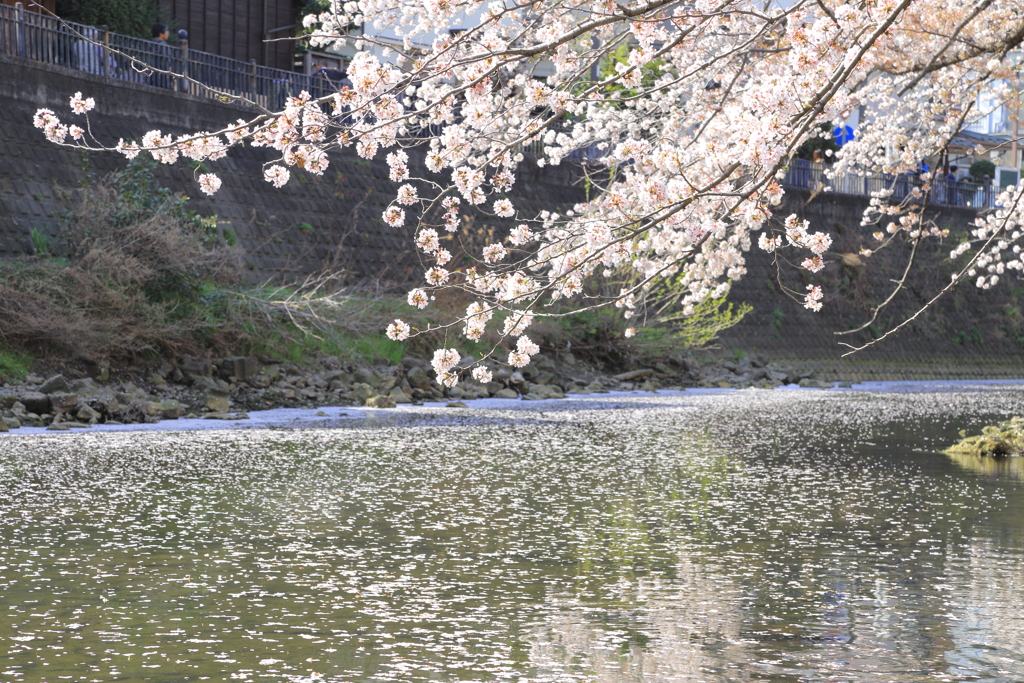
(946, 192)
(46, 39)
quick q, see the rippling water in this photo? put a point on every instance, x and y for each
(761, 536)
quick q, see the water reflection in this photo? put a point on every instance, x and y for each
(755, 536)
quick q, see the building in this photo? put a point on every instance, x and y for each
(246, 30)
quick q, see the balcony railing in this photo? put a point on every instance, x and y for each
(945, 192)
(46, 39)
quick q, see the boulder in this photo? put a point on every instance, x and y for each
(166, 410)
(337, 375)
(217, 400)
(399, 396)
(196, 367)
(506, 393)
(226, 416)
(455, 404)
(11, 422)
(85, 387)
(36, 402)
(86, 413)
(362, 391)
(380, 402)
(418, 378)
(634, 374)
(241, 368)
(204, 383)
(55, 385)
(366, 376)
(540, 392)
(3, 425)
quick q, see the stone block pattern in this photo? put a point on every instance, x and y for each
(969, 333)
(312, 224)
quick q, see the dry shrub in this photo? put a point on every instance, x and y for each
(129, 281)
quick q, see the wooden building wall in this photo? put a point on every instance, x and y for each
(49, 5)
(236, 28)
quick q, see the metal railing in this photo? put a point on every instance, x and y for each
(49, 40)
(944, 191)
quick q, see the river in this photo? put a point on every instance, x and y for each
(699, 536)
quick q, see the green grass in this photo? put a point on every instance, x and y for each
(14, 365)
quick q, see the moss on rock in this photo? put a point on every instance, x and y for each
(1006, 438)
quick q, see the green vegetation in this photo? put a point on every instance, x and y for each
(129, 17)
(14, 365)
(981, 168)
(40, 242)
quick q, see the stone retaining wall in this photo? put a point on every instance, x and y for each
(311, 223)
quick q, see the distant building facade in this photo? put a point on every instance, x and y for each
(245, 30)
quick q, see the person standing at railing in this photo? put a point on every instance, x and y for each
(160, 58)
(87, 52)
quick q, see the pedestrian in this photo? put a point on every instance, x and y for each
(160, 59)
(88, 53)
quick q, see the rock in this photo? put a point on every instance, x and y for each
(366, 376)
(226, 416)
(845, 385)
(516, 378)
(634, 374)
(540, 392)
(58, 427)
(11, 422)
(362, 391)
(85, 387)
(196, 367)
(204, 383)
(530, 372)
(36, 402)
(75, 425)
(399, 396)
(568, 358)
(663, 369)
(648, 386)
(3, 426)
(337, 375)
(492, 387)
(455, 393)
(32, 380)
(86, 413)
(216, 400)
(7, 402)
(596, 387)
(809, 383)
(418, 378)
(55, 385)
(506, 393)
(272, 371)
(545, 377)
(167, 410)
(241, 368)
(380, 402)
(455, 404)
(543, 363)
(157, 380)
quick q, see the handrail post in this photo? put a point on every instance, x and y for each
(19, 18)
(106, 50)
(183, 42)
(252, 79)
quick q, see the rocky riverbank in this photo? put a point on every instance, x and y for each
(225, 388)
